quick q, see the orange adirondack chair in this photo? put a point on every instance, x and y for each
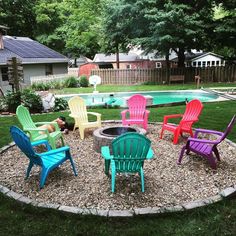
(137, 111)
(190, 116)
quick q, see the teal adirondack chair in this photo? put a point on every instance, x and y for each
(47, 160)
(129, 152)
(35, 132)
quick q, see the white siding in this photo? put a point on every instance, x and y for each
(208, 60)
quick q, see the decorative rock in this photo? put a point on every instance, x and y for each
(228, 192)
(69, 209)
(173, 208)
(194, 204)
(142, 211)
(25, 200)
(13, 195)
(117, 213)
(4, 189)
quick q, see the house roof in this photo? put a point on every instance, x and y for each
(101, 57)
(191, 56)
(28, 51)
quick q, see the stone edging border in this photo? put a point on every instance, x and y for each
(226, 193)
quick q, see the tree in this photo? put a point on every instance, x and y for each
(19, 16)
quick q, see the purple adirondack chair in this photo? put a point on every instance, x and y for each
(204, 147)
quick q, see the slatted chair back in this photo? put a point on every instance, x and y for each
(78, 108)
(137, 106)
(23, 142)
(229, 128)
(192, 112)
(129, 151)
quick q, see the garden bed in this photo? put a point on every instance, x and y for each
(166, 183)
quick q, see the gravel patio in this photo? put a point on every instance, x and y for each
(166, 183)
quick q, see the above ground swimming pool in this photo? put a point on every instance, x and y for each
(157, 98)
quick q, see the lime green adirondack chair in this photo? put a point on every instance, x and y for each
(38, 133)
(129, 152)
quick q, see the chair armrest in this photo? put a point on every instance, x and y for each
(37, 129)
(202, 140)
(105, 151)
(40, 142)
(207, 131)
(150, 154)
(54, 151)
(49, 123)
(94, 113)
(123, 114)
(171, 117)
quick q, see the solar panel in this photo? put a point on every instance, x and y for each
(30, 49)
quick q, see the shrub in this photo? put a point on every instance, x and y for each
(60, 104)
(3, 104)
(83, 81)
(31, 100)
(41, 86)
(13, 100)
(27, 98)
(71, 82)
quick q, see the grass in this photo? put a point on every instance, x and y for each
(135, 88)
(216, 219)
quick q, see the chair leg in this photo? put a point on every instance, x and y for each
(31, 164)
(216, 153)
(62, 141)
(142, 179)
(72, 162)
(161, 134)
(107, 165)
(176, 136)
(212, 161)
(113, 177)
(181, 155)
(43, 176)
(81, 132)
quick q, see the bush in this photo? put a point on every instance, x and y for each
(31, 100)
(3, 104)
(13, 100)
(60, 104)
(41, 86)
(83, 81)
(71, 82)
(27, 98)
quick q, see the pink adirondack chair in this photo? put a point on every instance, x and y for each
(190, 116)
(136, 110)
(204, 147)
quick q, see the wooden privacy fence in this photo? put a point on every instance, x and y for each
(162, 75)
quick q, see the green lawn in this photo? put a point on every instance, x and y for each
(135, 88)
(217, 219)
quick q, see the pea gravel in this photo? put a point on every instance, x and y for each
(166, 183)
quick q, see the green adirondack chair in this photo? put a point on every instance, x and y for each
(128, 154)
(35, 132)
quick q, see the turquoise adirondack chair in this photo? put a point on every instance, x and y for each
(35, 131)
(47, 160)
(129, 152)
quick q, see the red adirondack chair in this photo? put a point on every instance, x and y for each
(204, 147)
(137, 111)
(190, 116)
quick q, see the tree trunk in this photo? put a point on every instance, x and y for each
(167, 60)
(117, 57)
(181, 58)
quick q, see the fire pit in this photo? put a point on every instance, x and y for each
(104, 136)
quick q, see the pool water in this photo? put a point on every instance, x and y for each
(117, 99)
